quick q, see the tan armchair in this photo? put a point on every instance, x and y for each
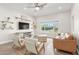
(67, 44)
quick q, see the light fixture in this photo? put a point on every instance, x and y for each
(37, 8)
(60, 7)
(24, 8)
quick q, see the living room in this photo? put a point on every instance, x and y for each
(22, 25)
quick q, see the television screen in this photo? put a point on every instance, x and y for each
(23, 25)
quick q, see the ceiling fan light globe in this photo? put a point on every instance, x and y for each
(60, 7)
(37, 8)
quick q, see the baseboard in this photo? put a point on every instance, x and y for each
(4, 42)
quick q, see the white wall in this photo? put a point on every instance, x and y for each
(75, 21)
(5, 35)
(63, 18)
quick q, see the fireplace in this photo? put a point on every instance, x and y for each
(23, 26)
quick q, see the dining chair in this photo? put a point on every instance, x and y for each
(18, 42)
(33, 47)
(42, 39)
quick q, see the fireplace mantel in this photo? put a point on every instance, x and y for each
(22, 31)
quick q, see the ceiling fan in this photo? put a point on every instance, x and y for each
(37, 6)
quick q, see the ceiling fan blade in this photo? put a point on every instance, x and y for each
(36, 5)
(30, 6)
(42, 5)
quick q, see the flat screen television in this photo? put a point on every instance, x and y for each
(23, 25)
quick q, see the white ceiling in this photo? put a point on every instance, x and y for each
(50, 8)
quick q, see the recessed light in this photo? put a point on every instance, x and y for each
(60, 7)
(25, 8)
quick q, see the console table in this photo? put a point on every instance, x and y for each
(67, 44)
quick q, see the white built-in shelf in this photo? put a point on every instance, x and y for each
(21, 31)
(16, 31)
